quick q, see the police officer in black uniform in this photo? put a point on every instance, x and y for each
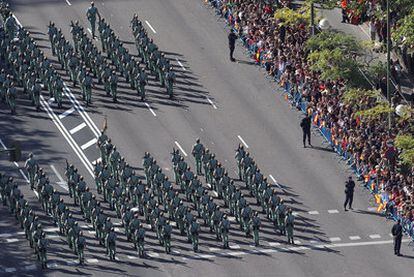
(349, 193)
(232, 41)
(305, 124)
(397, 233)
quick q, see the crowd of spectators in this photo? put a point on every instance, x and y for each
(368, 145)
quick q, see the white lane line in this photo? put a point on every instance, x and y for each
(214, 249)
(335, 239)
(207, 256)
(72, 262)
(51, 100)
(242, 140)
(149, 25)
(354, 237)
(66, 135)
(179, 146)
(236, 246)
(18, 22)
(153, 254)
(52, 265)
(151, 110)
(274, 181)
(348, 244)
(15, 163)
(92, 261)
(211, 102)
(69, 3)
(52, 229)
(239, 253)
(53, 236)
(313, 212)
(77, 128)
(182, 66)
(91, 232)
(61, 182)
(89, 143)
(375, 236)
(273, 244)
(132, 257)
(333, 211)
(12, 240)
(10, 269)
(298, 242)
(30, 267)
(5, 235)
(232, 218)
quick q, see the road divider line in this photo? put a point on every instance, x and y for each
(182, 66)
(354, 237)
(66, 135)
(179, 146)
(89, 143)
(149, 25)
(313, 212)
(333, 211)
(242, 140)
(375, 236)
(274, 180)
(66, 113)
(69, 3)
(150, 109)
(61, 182)
(211, 102)
(335, 239)
(77, 128)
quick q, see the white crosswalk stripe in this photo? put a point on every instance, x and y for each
(335, 239)
(354, 237)
(375, 236)
(333, 211)
(313, 212)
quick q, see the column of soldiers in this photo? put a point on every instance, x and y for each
(54, 206)
(154, 59)
(272, 205)
(121, 60)
(29, 69)
(11, 196)
(69, 60)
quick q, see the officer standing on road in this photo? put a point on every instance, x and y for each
(397, 232)
(91, 14)
(232, 41)
(305, 124)
(197, 152)
(289, 226)
(349, 193)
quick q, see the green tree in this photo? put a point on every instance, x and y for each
(404, 33)
(406, 144)
(378, 111)
(352, 96)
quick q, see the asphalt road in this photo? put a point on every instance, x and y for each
(224, 104)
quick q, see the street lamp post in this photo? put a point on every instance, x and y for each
(388, 62)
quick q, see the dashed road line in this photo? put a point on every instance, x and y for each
(153, 254)
(333, 211)
(211, 102)
(89, 144)
(182, 66)
(150, 109)
(334, 239)
(12, 240)
(66, 113)
(313, 212)
(149, 25)
(61, 182)
(242, 140)
(10, 269)
(30, 267)
(69, 3)
(274, 244)
(274, 181)
(235, 246)
(354, 237)
(77, 128)
(92, 261)
(214, 249)
(375, 236)
(179, 146)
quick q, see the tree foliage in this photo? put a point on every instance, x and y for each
(382, 108)
(331, 40)
(293, 17)
(406, 144)
(404, 33)
(354, 95)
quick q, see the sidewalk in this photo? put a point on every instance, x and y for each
(361, 32)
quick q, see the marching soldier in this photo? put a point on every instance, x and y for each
(31, 167)
(290, 219)
(225, 228)
(195, 229)
(198, 150)
(167, 230)
(42, 250)
(91, 14)
(170, 80)
(140, 239)
(256, 227)
(80, 247)
(110, 241)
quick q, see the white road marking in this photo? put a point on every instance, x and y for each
(267, 250)
(214, 249)
(5, 235)
(52, 265)
(66, 113)
(354, 237)
(273, 244)
(242, 140)
(298, 242)
(211, 102)
(12, 240)
(176, 252)
(51, 100)
(77, 128)
(274, 181)
(53, 236)
(182, 66)
(179, 146)
(149, 25)
(153, 254)
(132, 257)
(372, 209)
(89, 143)
(375, 236)
(10, 269)
(335, 239)
(239, 253)
(313, 241)
(24, 175)
(231, 218)
(150, 109)
(72, 262)
(117, 230)
(66, 135)
(295, 213)
(206, 256)
(348, 244)
(30, 267)
(333, 211)
(61, 182)
(97, 160)
(69, 3)
(91, 232)
(50, 230)
(313, 212)
(18, 22)
(235, 246)
(92, 261)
